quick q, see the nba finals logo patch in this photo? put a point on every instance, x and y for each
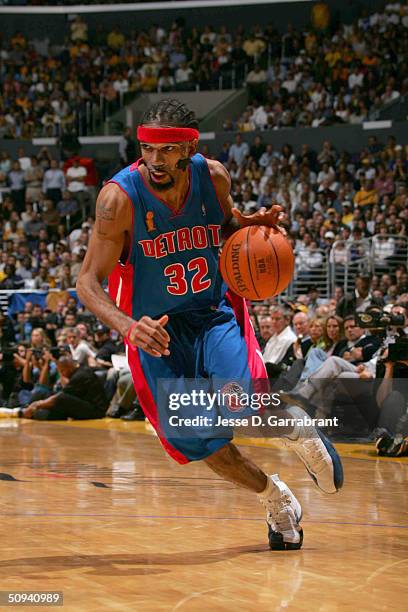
(203, 209)
(149, 220)
(231, 396)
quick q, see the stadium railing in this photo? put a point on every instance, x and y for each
(387, 252)
(339, 267)
(348, 258)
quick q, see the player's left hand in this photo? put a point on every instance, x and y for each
(268, 217)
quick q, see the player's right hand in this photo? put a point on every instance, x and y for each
(150, 336)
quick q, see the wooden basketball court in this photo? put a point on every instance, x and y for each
(97, 510)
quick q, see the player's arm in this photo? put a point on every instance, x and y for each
(234, 219)
(112, 227)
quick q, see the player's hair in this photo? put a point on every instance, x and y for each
(170, 112)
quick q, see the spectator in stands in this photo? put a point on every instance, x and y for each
(39, 376)
(115, 39)
(39, 339)
(82, 396)
(300, 347)
(124, 401)
(79, 30)
(44, 281)
(104, 346)
(316, 332)
(239, 150)
(282, 337)
(16, 178)
(360, 300)
(265, 330)
(80, 350)
(7, 335)
(333, 334)
(50, 215)
(11, 280)
(68, 207)
(127, 148)
(256, 81)
(358, 346)
(75, 177)
(33, 180)
(54, 182)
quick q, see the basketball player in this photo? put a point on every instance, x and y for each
(163, 218)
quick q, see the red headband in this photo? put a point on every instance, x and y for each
(166, 134)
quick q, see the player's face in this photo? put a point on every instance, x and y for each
(161, 163)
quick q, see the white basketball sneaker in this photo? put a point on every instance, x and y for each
(316, 452)
(284, 513)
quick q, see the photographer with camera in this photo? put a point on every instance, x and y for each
(39, 375)
(82, 396)
(12, 361)
(392, 394)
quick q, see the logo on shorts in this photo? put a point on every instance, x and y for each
(231, 395)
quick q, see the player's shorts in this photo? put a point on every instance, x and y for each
(217, 343)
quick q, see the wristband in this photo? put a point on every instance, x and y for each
(127, 337)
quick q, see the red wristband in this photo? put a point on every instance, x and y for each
(127, 337)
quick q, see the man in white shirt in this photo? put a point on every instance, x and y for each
(25, 161)
(75, 177)
(53, 182)
(239, 150)
(183, 75)
(80, 350)
(282, 337)
(121, 84)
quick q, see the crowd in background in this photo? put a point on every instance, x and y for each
(345, 76)
(314, 77)
(335, 205)
(332, 202)
(44, 224)
(345, 214)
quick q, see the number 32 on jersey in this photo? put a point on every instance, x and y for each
(178, 284)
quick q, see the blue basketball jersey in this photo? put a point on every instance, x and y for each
(174, 255)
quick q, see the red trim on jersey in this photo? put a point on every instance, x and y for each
(133, 220)
(166, 134)
(224, 212)
(147, 402)
(120, 287)
(154, 194)
(255, 362)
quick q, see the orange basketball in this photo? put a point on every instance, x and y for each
(257, 262)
